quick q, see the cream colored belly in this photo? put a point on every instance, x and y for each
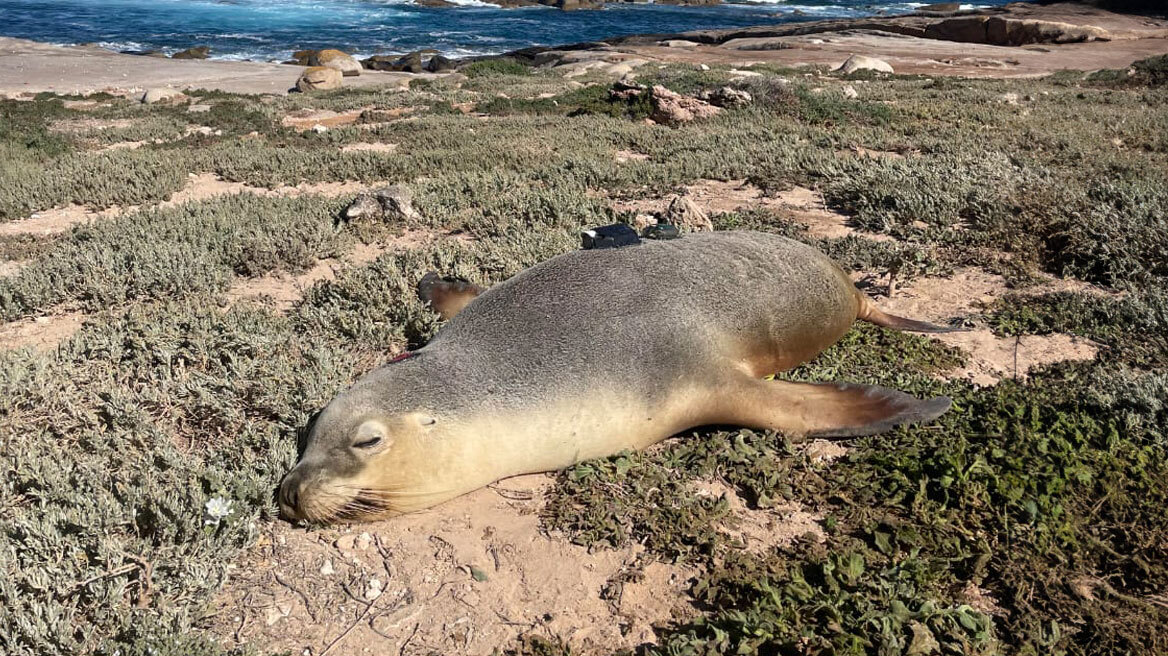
(491, 448)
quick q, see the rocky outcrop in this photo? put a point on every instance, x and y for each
(673, 108)
(1003, 31)
(726, 97)
(393, 204)
(410, 63)
(198, 52)
(164, 95)
(337, 60)
(441, 64)
(862, 63)
(687, 216)
(319, 78)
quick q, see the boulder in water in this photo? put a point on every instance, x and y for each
(198, 52)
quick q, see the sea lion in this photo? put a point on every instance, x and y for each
(590, 353)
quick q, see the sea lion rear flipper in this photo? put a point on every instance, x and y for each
(824, 409)
(872, 314)
(446, 295)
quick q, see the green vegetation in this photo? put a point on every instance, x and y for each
(1045, 497)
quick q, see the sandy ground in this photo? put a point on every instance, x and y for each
(32, 67)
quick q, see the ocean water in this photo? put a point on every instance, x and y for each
(272, 29)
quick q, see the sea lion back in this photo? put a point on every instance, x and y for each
(664, 306)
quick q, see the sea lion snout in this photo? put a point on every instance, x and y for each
(311, 492)
(290, 494)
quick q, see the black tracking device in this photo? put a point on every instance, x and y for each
(609, 236)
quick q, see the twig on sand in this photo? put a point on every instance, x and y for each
(303, 597)
(344, 634)
(402, 651)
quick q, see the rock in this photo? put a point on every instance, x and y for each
(301, 57)
(198, 109)
(941, 7)
(642, 221)
(573, 5)
(337, 60)
(862, 63)
(671, 108)
(1009, 98)
(164, 95)
(1001, 31)
(441, 64)
(409, 63)
(319, 78)
(393, 203)
(626, 90)
(320, 129)
(849, 92)
(726, 97)
(703, 67)
(198, 52)
(145, 53)
(687, 216)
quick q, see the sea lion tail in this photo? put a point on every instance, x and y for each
(872, 314)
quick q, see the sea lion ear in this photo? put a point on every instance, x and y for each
(446, 295)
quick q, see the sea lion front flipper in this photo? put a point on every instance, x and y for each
(446, 295)
(823, 409)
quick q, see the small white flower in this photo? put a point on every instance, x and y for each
(217, 509)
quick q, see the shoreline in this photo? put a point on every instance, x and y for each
(1050, 38)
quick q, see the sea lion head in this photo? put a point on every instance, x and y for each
(362, 458)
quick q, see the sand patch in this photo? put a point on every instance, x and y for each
(367, 117)
(466, 577)
(369, 147)
(970, 291)
(992, 358)
(12, 267)
(41, 333)
(306, 119)
(626, 156)
(199, 187)
(759, 530)
(122, 145)
(283, 290)
(54, 221)
(797, 204)
(83, 105)
(204, 186)
(78, 125)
